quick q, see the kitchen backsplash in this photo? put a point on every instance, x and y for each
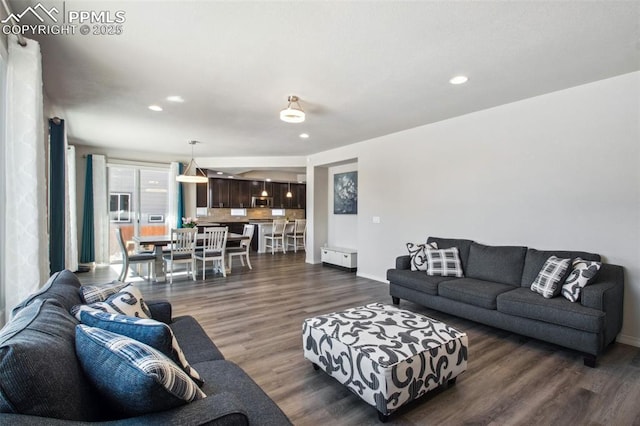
(224, 215)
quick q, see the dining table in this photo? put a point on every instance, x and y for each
(160, 241)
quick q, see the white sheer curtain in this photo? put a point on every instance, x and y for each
(71, 220)
(172, 218)
(100, 209)
(26, 242)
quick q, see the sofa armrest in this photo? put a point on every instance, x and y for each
(403, 262)
(160, 310)
(607, 295)
(219, 409)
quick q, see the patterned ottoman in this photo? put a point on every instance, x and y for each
(385, 355)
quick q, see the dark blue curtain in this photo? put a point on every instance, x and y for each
(57, 160)
(87, 251)
(180, 199)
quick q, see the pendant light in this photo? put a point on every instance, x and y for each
(292, 114)
(193, 173)
(289, 194)
(264, 189)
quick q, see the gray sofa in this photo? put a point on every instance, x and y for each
(495, 291)
(42, 382)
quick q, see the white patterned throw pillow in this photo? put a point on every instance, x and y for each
(444, 262)
(549, 277)
(100, 293)
(127, 301)
(418, 256)
(583, 272)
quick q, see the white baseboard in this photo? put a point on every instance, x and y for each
(629, 340)
(372, 277)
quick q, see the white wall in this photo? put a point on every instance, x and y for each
(558, 171)
(343, 228)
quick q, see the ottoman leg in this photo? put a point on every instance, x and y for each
(383, 417)
(395, 300)
(453, 381)
(316, 366)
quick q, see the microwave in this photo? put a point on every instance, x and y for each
(261, 201)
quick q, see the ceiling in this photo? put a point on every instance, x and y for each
(361, 69)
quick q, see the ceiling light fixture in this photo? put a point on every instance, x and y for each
(193, 173)
(156, 108)
(459, 79)
(304, 135)
(175, 98)
(292, 114)
(264, 189)
(289, 194)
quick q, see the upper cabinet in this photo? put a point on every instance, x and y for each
(237, 193)
(201, 195)
(219, 193)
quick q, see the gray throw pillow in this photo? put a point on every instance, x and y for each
(38, 360)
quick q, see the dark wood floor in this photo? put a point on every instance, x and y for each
(255, 317)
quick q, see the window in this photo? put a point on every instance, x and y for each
(120, 207)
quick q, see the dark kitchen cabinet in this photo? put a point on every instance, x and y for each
(280, 200)
(298, 196)
(201, 194)
(240, 193)
(219, 192)
(237, 193)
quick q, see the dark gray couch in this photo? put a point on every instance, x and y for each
(42, 383)
(496, 291)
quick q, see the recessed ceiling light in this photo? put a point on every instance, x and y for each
(304, 135)
(268, 180)
(175, 98)
(459, 79)
(156, 108)
(219, 173)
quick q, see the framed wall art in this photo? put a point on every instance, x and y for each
(345, 193)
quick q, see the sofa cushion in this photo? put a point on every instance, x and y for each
(444, 262)
(150, 332)
(472, 291)
(536, 258)
(524, 303)
(500, 264)
(39, 371)
(135, 378)
(128, 301)
(100, 293)
(418, 256)
(225, 376)
(416, 280)
(548, 283)
(194, 341)
(583, 272)
(463, 247)
(62, 286)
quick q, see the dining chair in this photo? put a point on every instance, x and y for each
(245, 245)
(182, 250)
(133, 259)
(298, 237)
(275, 239)
(215, 241)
